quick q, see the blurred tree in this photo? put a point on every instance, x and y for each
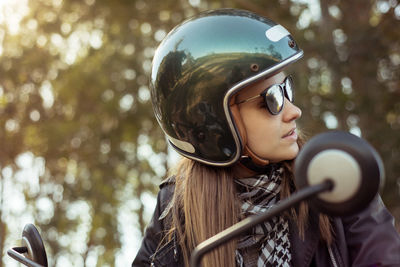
(75, 103)
(352, 58)
(74, 92)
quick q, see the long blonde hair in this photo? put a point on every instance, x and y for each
(205, 203)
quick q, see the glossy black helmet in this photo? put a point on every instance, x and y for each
(198, 68)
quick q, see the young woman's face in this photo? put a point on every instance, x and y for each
(271, 137)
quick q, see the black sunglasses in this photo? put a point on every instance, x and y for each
(274, 95)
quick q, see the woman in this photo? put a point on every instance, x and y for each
(222, 99)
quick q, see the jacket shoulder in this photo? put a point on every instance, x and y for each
(156, 228)
(370, 236)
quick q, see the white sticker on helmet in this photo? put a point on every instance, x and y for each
(185, 146)
(276, 33)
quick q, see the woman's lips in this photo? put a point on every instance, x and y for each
(291, 134)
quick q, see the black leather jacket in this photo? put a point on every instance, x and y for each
(364, 239)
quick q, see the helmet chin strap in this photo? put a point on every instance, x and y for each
(254, 157)
(253, 162)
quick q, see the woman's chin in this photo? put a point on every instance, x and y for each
(288, 155)
(292, 152)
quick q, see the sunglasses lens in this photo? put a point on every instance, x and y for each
(289, 88)
(274, 99)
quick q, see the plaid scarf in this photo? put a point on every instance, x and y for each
(271, 238)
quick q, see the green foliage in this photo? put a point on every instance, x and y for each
(74, 94)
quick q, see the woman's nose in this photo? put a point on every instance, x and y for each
(291, 111)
